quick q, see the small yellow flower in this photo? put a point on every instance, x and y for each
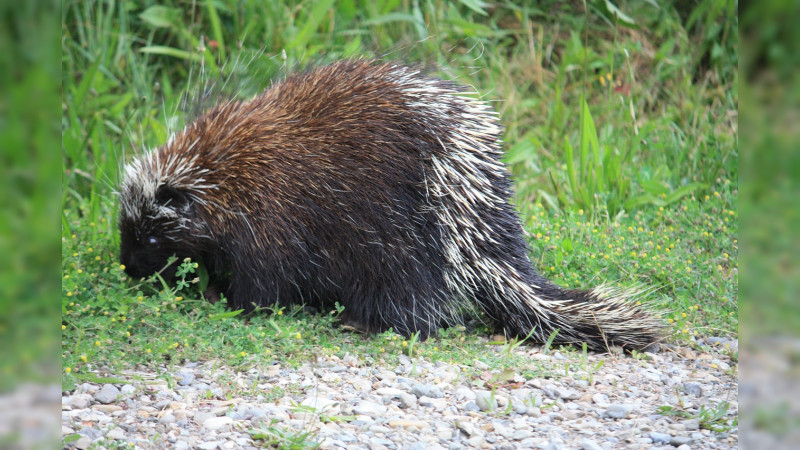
(128, 334)
(90, 250)
(69, 294)
(580, 211)
(280, 312)
(683, 315)
(80, 271)
(83, 358)
(66, 276)
(148, 351)
(242, 354)
(267, 351)
(67, 369)
(298, 336)
(97, 343)
(122, 267)
(97, 258)
(63, 327)
(405, 344)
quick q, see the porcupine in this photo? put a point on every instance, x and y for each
(365, 183)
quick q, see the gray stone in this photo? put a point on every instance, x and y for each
(427, 390)
(91, 433)
(80, 401)
(693, 389)
(566, 394)
(116, 434)
(108, 394)
(692, 424)
(186, 378)
(659, 438)
(217, 423)
(521, 434)
(618, 410)
(588, 444)
(677, 441)
(369, 409)
(83, 442)
(202, 416)
(471, 406)
(485, 401)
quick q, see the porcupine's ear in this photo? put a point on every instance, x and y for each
(174, 198)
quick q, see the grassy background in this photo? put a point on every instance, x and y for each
(621, 132)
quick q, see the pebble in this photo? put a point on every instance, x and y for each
(369, 408)
(693, 389)
(415, 404)
(588, 444)
(485, 400)
(108, 394)
(677, 441)
(618, 411)
(659, 438)
(217, 423)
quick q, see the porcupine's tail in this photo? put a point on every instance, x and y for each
(483, 244)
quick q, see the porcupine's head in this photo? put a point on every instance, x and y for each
(157, 216)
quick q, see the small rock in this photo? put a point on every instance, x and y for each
(692, 424)
(659, 438)
(566, 394)
(116, 434)
(468, 428)
(693, 389)
(202, 416)
(407, 401)
(521, 434)
(186, 378)
(80, 401)
(720, 364)
(369, 408)
(91, 433)
(217, 423)
(108, 409)
(677, 441)
(108, 394)
(588, 444)
(533, 412)
(167, 418)
(618, 410)
(83, 442)
(127, 389)
(485, 401)
(427, 390)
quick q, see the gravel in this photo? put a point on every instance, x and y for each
(349, 403)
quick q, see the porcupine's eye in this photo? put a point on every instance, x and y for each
(151, 241)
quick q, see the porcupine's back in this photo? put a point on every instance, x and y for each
(363, 183)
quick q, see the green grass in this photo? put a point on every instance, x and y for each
(622, 141)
